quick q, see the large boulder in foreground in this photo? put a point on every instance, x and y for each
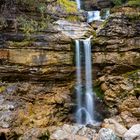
(133, 133)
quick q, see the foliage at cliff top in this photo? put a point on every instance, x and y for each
(134, 3)
(118, 2)
(70, 6)
(41, 5)
(36, 15)
(128, 2)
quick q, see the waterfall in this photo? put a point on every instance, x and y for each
(85, 96)
(93, 15)
(78, 4)
(79, 81)
(85, 112)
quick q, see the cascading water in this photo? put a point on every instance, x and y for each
(85, 112)
(79, 82)
(96, 15)
(85, 97)
(93, 15)
(88, 77)
(78, 4)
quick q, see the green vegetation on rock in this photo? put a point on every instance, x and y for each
(29, 26)
(99, 92)
(134, 3)
(45, 136)
(129, 2)
(25, 43)
(2, 88)
(133, 74)
(69, 6)
(117, 2)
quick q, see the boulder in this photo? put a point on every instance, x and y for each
(118, 128)
(107, 134)
(60, 135)
(70, 132)
(133, 132)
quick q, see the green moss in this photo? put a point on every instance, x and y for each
(94, 33)
(72, 18)
(29, 26)
(135, 3)
(69, 6)
(132, 74)
(105, 22)
(2, 88)
(99, 92)
(45, 136)
(25, 43)
(118, 2)
(133, 16)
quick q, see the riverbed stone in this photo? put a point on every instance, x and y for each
(107, 134)
(118, 128)
(133, 132)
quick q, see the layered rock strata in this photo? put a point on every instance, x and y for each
(116, 50)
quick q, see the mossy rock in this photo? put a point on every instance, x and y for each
(99, 93)
(20, 44)
(134, 3)
(132, 74)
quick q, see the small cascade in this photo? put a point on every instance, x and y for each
(97, 16)
(78, 4)
(85, 95)
(93, 15)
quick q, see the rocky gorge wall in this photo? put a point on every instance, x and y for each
(37, 72)
(116, 50)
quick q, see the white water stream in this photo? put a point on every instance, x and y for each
(85, 112)
(78, 4)
(85, 96)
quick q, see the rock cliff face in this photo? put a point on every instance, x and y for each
(116, 50)
(36, 72)
(90, 5)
